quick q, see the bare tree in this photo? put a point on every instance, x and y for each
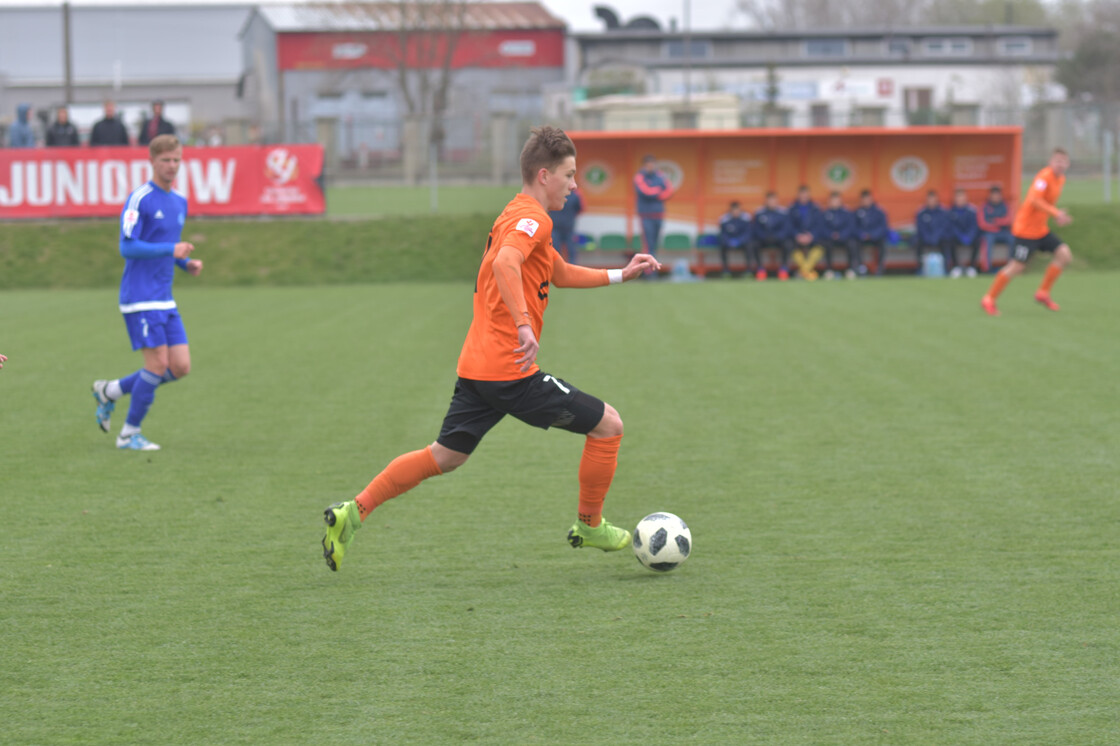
(830, 14)
(840, 14)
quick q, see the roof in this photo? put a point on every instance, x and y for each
(135, 43)
(872, 32)
(387, 16)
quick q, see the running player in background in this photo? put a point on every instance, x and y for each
(151, 226)
(1032, 233)
(497, 370)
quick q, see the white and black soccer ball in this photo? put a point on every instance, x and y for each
(662, 541)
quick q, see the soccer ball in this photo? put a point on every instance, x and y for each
(662, 541)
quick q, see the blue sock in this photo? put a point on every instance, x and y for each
(129, 381)
(168, 376)
(143, 394)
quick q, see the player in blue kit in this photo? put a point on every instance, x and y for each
(151, 226)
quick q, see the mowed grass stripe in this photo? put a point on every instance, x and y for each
(904, 515)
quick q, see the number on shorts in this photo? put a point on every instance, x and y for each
(1022, 253)
(559, 385)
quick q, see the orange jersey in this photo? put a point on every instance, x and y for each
(1032, 221)
(488, 351)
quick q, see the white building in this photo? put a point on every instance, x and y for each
(870, 77)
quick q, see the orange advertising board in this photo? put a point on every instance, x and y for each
(712, 168)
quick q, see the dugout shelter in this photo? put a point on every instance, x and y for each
(712, 168)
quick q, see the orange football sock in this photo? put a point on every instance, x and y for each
(1049, 278)
(402, 474)
(998, 284)
(596, 470)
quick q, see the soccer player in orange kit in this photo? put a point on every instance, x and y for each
(1032, 233)
(497, 370)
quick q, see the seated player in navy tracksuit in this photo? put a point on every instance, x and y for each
(807, 233)
(871, 228)
(734, 234)
(964, 230)
(770, 229)
(995, 221)
(838, 232)
(931, 230)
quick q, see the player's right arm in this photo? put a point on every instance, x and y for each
(132, 227)
(507, 276)
(1036, 198)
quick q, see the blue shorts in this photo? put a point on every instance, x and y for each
(155, 328)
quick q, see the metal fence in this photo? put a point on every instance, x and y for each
(477, 147)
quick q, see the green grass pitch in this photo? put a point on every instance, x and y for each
(904, 514)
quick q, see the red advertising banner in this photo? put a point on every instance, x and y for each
(94, 182)
(386, 50)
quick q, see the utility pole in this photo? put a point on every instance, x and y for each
(68, 76)
(687, 56)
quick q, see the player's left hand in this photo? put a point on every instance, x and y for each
(194, 266)
(639, 265)
(2, 359)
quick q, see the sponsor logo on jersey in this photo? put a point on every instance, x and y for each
(159, 214)
(131, 217)
(528, 226)
(1040, 184)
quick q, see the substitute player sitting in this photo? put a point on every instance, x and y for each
(497, 370)
(1032, 233)
(151, 226)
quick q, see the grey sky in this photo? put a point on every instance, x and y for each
(704, 14)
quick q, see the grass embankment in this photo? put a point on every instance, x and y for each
(314, 252)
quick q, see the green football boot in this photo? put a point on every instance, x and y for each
(342, 521)
(605, 536)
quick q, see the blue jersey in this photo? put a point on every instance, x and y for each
(735, 231)
(871, 223)
(839, 224)
(151, 224)
(805, 217)
(770, 225)
(964, 223)
(932, 225)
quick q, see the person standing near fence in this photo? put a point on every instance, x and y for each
(564, 238)
(63, 133)
(653, 188)
(1032, 233)
(155, 125)
(109, 130)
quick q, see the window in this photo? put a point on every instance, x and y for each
(676, 49)
(898, 47)
(948, 47)
(826, 48)
(1014, 46)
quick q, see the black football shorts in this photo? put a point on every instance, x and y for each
(540, 400)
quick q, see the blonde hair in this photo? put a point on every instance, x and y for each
(163, 144)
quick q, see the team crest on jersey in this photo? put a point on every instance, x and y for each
(528, 225)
